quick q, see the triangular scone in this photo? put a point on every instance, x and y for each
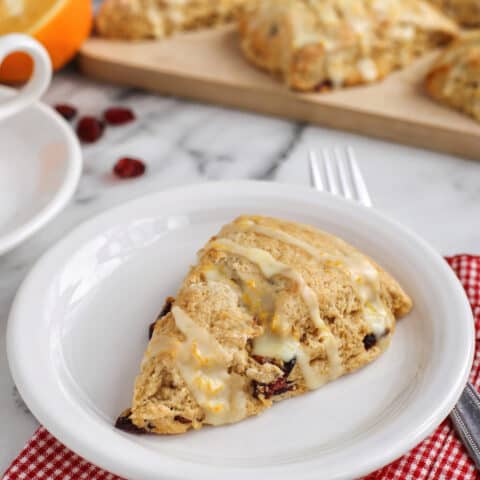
(272, 309)
(465, 12)
(140, 19)
(322, 44)
(455, 77)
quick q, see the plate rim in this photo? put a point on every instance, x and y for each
(64, 193)
(121, 466)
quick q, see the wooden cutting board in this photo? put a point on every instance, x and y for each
(208, 66)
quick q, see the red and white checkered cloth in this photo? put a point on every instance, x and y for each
(440, 457)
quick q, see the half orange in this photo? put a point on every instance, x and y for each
(60, 25)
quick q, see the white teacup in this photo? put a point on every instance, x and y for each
(40, 79)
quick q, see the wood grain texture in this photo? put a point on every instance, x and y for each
(208, 66)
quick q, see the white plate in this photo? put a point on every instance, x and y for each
(78, 329)
(40, 165)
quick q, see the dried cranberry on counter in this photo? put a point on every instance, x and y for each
(128, 167)
(66, 111)
(90, 129)
(118, 115)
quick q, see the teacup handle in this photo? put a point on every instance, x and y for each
(40, 79)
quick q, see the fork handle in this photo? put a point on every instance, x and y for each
(466, 420)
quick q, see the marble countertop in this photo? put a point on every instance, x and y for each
(182, 142)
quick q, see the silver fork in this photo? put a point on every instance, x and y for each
(339, 174)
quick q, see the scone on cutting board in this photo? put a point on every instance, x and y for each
(143, 19)
(455, 77)
(322, 44)
(271, 310)
(465, 12)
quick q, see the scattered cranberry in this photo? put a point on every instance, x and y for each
(179, 418)
(128, 167)
(118, 116)
(324, 86)
(167, 307)
(288, 366)
(369, 341)
(66, 111)
(261, 359)
(268, 390)
(277, 387)
(125, 423)
(89, 129)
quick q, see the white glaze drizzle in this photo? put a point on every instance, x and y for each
(363, 273)
(270, 268)
(275, 346)
(368, 69)
(203, 364)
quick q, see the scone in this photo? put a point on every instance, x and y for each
(143, 19)
(465, 12)
(455, 77)
(322, 44)
(272, 310)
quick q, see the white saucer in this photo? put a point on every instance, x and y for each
(78, 329)
(40, 166)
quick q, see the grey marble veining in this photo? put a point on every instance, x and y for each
(183, 142)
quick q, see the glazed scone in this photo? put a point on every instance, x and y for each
(272, 309)
(455, 77)
(465, 12)
(143, 19)
(321, 44)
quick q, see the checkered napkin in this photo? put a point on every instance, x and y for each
(440, 457)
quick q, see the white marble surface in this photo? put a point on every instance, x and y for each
(182, 142)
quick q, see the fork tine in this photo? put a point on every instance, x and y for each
(315, 174)
(332, 184)
(358, 181)
(343, 174)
